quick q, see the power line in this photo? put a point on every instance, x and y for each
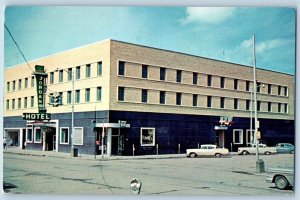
(18, 47)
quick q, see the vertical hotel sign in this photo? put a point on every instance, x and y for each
(40, 76)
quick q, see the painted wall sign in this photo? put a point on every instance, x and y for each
(36, 116)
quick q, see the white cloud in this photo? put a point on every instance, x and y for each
(271, 44)
(209, 15)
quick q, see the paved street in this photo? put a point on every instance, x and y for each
(168, 176)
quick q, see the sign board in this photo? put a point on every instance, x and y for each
(40, 86)
(36, 116)
(122, 124)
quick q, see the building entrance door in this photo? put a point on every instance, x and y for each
(220, 138)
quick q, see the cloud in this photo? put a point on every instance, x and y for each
(271, 44)
(208, 15)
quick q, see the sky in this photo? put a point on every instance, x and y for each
(222, 33)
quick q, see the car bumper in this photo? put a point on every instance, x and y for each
(269, 179)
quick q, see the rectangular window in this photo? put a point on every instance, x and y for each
(13, 104)
(121, 68)
(28, 135)
(222, 102)
(195, 78)
(250, 137)
(286, 91)
(209, 101)
(121, 93)
(248, 86)
(144, 96)
(209, 80)
(61, 96)
(286, 108)
(237, 136)
(162, 97)
(64, 135)
(51, 77)
(99, 68)
(99, 93)
(51, 98)
(195, 100)
(258, 105)
(8, 86)
(61, 76)
(14, 85)
(88, 71)
(147, 136)
(222, 82)
(236, 104)
(25, 102)
(258, 85)
(247, 104)
(236, 84)
(32, 81)
(279, 107)
(78, 72)
(87, 95)
(78, 136)
(69, 97)
(70, 74)
(269, 89)
(7, 104)
(32, 101)
(279, 90)
(37, 135)
(144, 71)
(20, 84)
(77, 96)
(269, 107)
(19, 103)
(162, 74)
(26, 82)
(178, 76)
(178, 98)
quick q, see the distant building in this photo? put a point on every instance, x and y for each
(147, 99)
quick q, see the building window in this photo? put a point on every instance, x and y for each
(258, 85)
(51, 77)
(269, 107)
(121, 68)
(248, 86)
(99, 93)
(269, 89)
(70, 74)
(144, 96)
(195, 78)
(78, 136)
(279, 90)
(87, 95)
(209, 80)
(32, 81)
(222, 102)
(7, 104)
(236, 84)
(88, 71)
(78, 72)
(237, 136)
(236, 104)
(147, 136)
(286, 91)
(51, 98)
(99, 68)
(61, 96)
(32, 101)
(61, 76)
(144, 71)
(13, 104)
(64, 135)
(8, 86)
(162, 97)
(250, 136)
(222, 82)
(37, 135)
(286, 108)
(279, 107)
(195, 100)
(247, 104)
(162, 74)
(209, 101)
(19, 103)
(20, 84)
(178, 76)
(258, 105)
(77, 96)
(26, 82)
(178, 98)
(25, 102)
(69, 97)
(14, 85)
(121, 93)
(29, 135)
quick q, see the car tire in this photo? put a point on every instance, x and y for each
(267, 153)
(218, 155)
(281, 182)
(192, 155)
(245, 153)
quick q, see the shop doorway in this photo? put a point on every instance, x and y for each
(220, 138)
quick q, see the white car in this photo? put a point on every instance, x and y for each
(282, 177)
(207, 150)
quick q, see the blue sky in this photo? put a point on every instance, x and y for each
(218, 33)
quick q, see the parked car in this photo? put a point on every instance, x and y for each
(207, 150)
(285, 148)
(262, 149)
(282, 177)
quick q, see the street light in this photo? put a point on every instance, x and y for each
(73, 98)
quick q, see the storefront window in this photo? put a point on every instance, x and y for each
(147, 136)
(64, 135)
(37, 135)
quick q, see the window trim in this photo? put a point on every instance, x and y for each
(82, 133)
(34, 135)
(240, 136)
(153, 136)
(60, 135)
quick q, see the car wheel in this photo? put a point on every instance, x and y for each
(292, 152)
(217, 155)
(281, 182)
(192, 155)
(267, 153)
(245, 152)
